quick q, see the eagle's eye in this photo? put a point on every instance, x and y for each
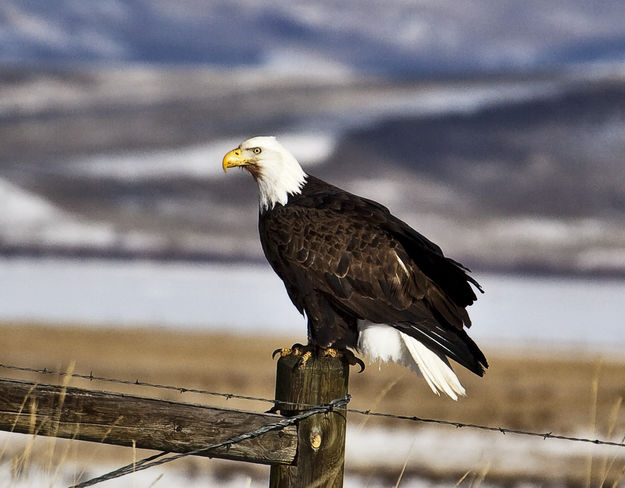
(257, 150)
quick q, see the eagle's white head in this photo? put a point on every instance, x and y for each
(275, 169)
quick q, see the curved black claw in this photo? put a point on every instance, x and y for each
(295, 350)
(352, 360)
(361, 364)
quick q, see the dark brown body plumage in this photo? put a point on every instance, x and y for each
(339, 257)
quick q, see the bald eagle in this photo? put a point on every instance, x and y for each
(364, 279)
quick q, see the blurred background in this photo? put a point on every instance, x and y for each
(495, 128)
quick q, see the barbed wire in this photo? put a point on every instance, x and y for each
(501, 430)
(158, 459)
(92, 377)
(277, 403)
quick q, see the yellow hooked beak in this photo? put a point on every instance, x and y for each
(234, 158)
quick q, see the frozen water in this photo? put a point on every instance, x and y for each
(515, 309)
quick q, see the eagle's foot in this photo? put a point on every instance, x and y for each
(345, 354)
(294, 350)
(330, 352)
(306, 352)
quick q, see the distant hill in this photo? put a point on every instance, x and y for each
(505, 173)
(555, 156)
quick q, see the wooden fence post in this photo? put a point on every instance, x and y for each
(320, 457)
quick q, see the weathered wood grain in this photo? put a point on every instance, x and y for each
(114, 418)
(321, 446)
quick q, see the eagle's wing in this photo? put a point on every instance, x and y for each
(372, 266)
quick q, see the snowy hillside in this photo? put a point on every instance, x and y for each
(514, 173)
(495, 129)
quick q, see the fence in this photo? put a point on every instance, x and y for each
(305, 445)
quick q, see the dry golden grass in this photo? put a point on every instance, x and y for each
(550, 392)
(564, 393)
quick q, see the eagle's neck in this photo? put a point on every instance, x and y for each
(278, 180)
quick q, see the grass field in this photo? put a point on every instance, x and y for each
(545, 390)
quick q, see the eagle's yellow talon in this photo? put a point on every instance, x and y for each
(331, 352)
(294, 350)
(283, 351)
(306, 352)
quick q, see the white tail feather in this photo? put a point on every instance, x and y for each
(439, 376)
(385, 343)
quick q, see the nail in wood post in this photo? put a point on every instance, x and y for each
(320, 457)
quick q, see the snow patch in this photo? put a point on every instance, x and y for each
(429, 449)
(28, 218)
(457, 450)
(546, 231)
(20, 207)
(602, 258)
(201, 161)
(307, 64)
